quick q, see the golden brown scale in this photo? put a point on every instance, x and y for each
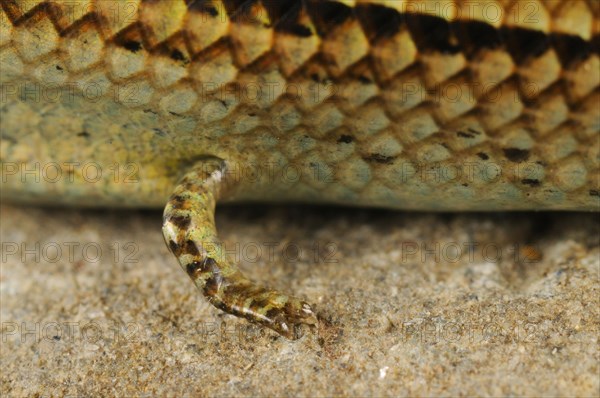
(406, 104)
(415, 104)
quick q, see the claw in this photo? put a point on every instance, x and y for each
(288, 319)
(281, 313)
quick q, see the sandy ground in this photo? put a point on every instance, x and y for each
(410, 304)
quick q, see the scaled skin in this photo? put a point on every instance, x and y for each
(189, 231)
(330, 104)
(370, 104)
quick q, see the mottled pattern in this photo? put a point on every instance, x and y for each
(443, 105)
(189, 231)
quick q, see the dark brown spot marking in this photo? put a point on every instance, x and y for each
(483, 156)
(206, 265)
(133, 46)
(346, 139)
(273, 313)
(178, 202)
(203, 6)
(83, 134)
(595, 192)
(379, 21)
(328, 15)
(190, 247)
(379, 158)
(516, 155)
(433, 34)
(211, 288)
(284, 15)
(177, 55)
(596, 43)
(476, 35)
(524, 44)
(194, 268)
(174, 247)
(531, 182)
(242, 291)
(470, 133)
(571, 48)
(182, 222)
(299, 30)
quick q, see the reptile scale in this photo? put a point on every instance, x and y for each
(406, 104)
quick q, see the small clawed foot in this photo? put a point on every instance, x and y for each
(189, 232)
(287, 320)
(281, 313)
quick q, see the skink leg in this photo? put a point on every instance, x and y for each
(190, 233)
